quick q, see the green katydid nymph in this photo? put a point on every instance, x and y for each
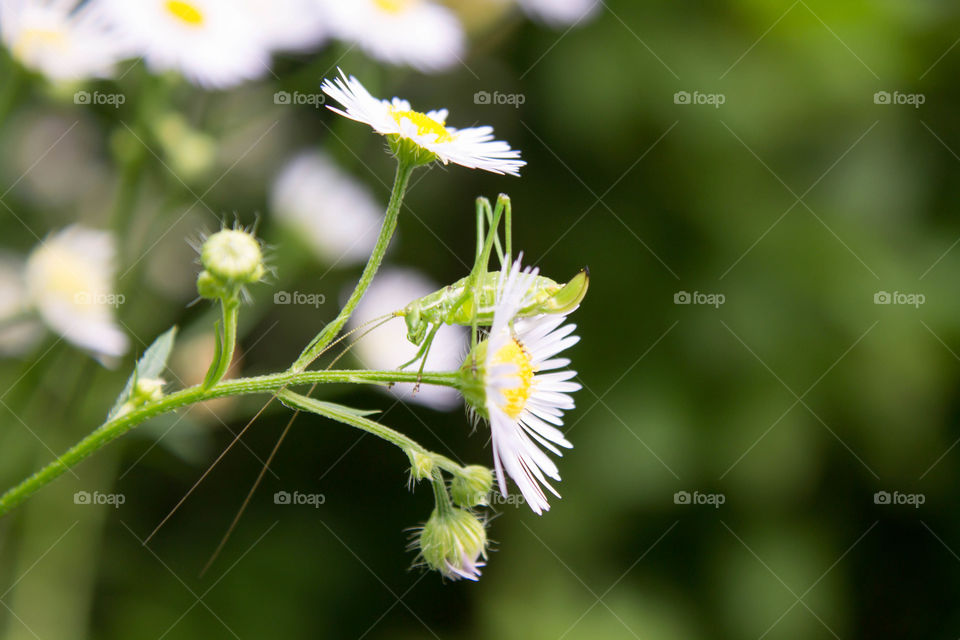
(471, 300)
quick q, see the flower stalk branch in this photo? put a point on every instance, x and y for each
(123, 423)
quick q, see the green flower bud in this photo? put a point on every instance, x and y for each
(233, 257)
(421, 465)
(147, 390)
(454, 542)
(210, 287)
(471, 487)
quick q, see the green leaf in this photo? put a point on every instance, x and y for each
(150, 365)
(322, 407)
(216, 367)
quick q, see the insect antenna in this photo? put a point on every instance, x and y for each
(377, 323)
(246, 427)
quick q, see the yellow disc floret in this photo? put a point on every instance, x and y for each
(425, 124)
(516, 397)
(394, 6)
(186, 12)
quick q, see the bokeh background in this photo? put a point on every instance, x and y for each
(793, 403)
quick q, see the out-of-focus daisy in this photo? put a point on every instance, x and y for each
(473, 147)
(19, 331)
(514, 379)
(60, 39)
(388, 348)
(561, 12)
(213, 43)
(418, 33)
(335, 213)
(289, 25)
(69, 281)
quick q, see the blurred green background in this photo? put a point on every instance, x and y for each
(798, 399)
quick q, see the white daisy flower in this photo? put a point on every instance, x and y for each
(69, 280)
(418, 33)
(387, 347)
(561, 12)
(336, 214)
(473, 147)
(59, 39)
(518, 387)
(213, 43)
(289, 25)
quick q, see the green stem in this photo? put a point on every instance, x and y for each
(224, 357)
(121, 424)
(313, 350)
(440, 495)
(343, 414)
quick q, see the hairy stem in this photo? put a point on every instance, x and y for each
(230, 308)
(121, 424)
(313, 350)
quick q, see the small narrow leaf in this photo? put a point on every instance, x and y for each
(322, 407)
(150, 365)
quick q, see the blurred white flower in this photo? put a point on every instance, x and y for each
(334, 213)
(69, 281)
(59, 39)
(213, 43)
(289, 25)
(417, 33)
(561, 12)
(472, 147)
(388, 348)
(19, 332)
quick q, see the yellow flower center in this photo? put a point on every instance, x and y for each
(394, 6)
(186, 12)
(516, 397)
(33, 40)
(424, 123)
